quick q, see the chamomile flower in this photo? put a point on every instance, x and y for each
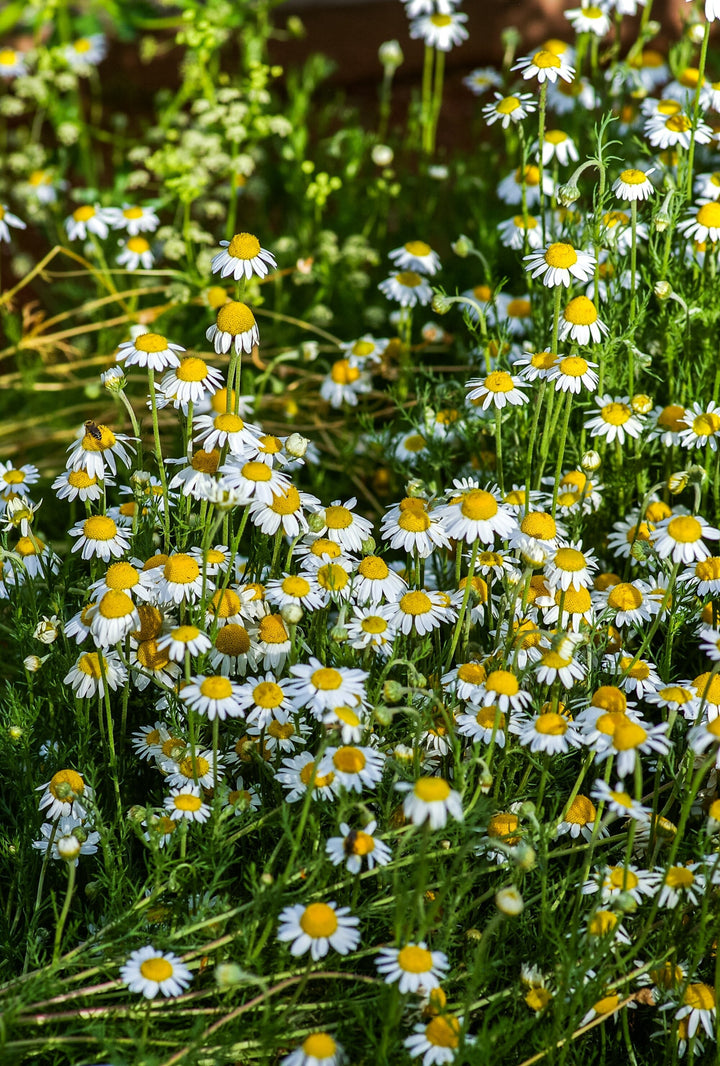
(613, 881)
(497, 389)
(675, 131)
(413, 527)
(703, 425)
(413, 968)
(480, 80)
(70, 838)
(213, 697)
(135, 253)
(703, 222)
(12, 63)
(180, 580)
(190, 382)
(112, 617)
(355, 845)
(559, 264)
(255, 480)
(482, 724)
(431, 800)
(371, 628)
(441, 31)
(374, 582)
(698, 1006)
(579, 322)
(343, 526)
(88, 219)
(682, 884)
(225, 429)
(317, 1049)
(549, 732)
(354, 767)
(559, 664)
(186, 804)
(235, 327)
(473, 514)
(261, 699)
(634, 184)
(367, 351)
(149, 971)
(629, 738)
(680, 538)
(571, 566)
(283, 733)
(150, 350)
(507, 109)
(437, 1040)
(545, 66)
(579, 819)
(572, 373)
(344, 384)
(299, 773)
(184, 640)
(318, 927)
(198, 769)
(420, 611)
(321, 687)
(99, 537)
(557, 145)
(417, 256)
(518, 230)
(64, 795)
(615, 419)
(707, 186)
(92, 671)
(242, 257)
(590, 18)
(407, 288)
(85, 52)
(527, 179)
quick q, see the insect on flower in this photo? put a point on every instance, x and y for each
(93, 429)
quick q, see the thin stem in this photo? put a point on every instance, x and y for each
(64, 912)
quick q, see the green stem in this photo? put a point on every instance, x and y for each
(159, 459)
(64, 912)
(561, 451)
(696, 110)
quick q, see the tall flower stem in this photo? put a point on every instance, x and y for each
(696, 109)
(541, 145)
(64, 912)
(427, 101)
(436, 102)
(159, 459)
(498, 450)
(561, 451)
(465, 599)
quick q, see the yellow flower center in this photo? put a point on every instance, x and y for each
(116, 604)
(479, 505)
(443, 1031)
(89, 664)
(414, 521)
(551, 724)
(622, 879)
(418, 248)
(374, 623)
(185, 801)
(190, 767)
(684, 529)
(374, 568)
(623, 799)
(708, 689)
(545, 60)
(708, 569)
(121, 576)
(244, 246)
(607, 1004)
(502, 682)
(320, 781)
(507, 105)
(441, 20)
(332, 577)
(192, 369)
(295, 586)
(633, 177)
(225, 603)
(700, 997)
(573, 366)
(561, 256)
(628, 735)
(581, 812)
(156, 969)
(415, 603)
(570, 559)
(343, 374)
(499, 381)
(235, 318)
(99, 527)
(206, 462)
(318, 920)
(602, 923)
(668, 107)
(349, 760)
(482, 293)
(706, 424)
(363, 348)
(84, 213)
(362, 844)
(678, 124)
(431, 789)
(679, 877)
(326, 679)
(281, 730)
(473, 673)
(319, 1046)
(519, 308)
(151, 342)
(616, 414)
(216, 688)
(580, 312)
(414, 959)
(268, 695)
(539, 525)
(286, 502)
(181, 569)
(556, 136)
(138, 245)
(625, 597)
(67, 778)
(337, 517)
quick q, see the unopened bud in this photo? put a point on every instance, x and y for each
(296, 445)
(591, 462)
(382, 155)
(338, 634)
(441, 303)
(641, 404)
(696, 474)
(46, 630)
(69, 848)
(393, 691)
(316, 522)
(662, 221)
(525, 856)
(462, 246)
(696, 32)
(568, 194)
(15, 732)
(677, 482)
(33, 663)
(509, 902)
(228, 974)
(662, 289)
(383, 715)
(114, 379)
(368, 546)
(292, 613)
(390, 55)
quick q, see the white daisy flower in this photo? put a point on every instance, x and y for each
(7, 219)
(88, 219)
(321, 687)
(417, 256)
(680, 538)
(615, 419)
(413, 968)
(430, 799)
(407, 288)
(580, 322)
(186, 804)
(355, 845)
(545, 66)
(225, 429)
(507, 109)
(65, 795)
(299, 774)
(374, 582)
(589, 18)
(441, 31)
(413, 527)
(12, 63)
(85, 52)
(572, 373)
(437, 1040)
(353, 766)
(515, 231)
(99, 537)
(150, 350)
(497, 389)
(559, 264)
(235, 327)
(150, 971)
(473, 514)
(344, 383)
(317, 928)
(557, 145)
(242, 258)
(190, 382)
(317, 1049)
(481, 79)
(421, 610)
(634, 184)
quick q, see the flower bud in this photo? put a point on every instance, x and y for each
(338, 634)
(69, 848)
(641, 404)
(383, 715)
(390, 55)
(316, 522)
(462, 247)
(382, 155)
(296, 445)
(114, 379)
(292, 613)
(590, 462)
(33, 663)
(677, 482)
(568, 194)
(228, 974)
(509, 902)
(441, 303)
(368, 546)
(46, 631)
(15, 732)
(696, 32)
(393, 691)
(662, 289)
